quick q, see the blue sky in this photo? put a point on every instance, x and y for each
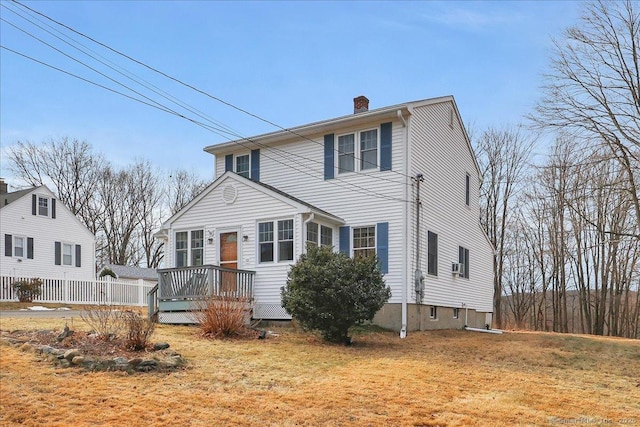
(289, 62)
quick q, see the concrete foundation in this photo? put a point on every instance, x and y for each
(425, 317)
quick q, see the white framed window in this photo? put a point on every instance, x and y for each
(467, 189)
(275, 241)
(243, 165)
(319, 235)
(197, 247)
(366, 143)
(433, 312)
(432, 253)
(312, 233)
(19, 247)
(189, 248)
(265, 241)
(43, 206)
(326, 236)
(463, 259)
(369, 149)
(285, 240)
(456, 313)
(67, 254)
(364, 241)
(346, 153)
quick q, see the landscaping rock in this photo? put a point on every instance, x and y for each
(78, 360)
(70, 354)
(160, 346)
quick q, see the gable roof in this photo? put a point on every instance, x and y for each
(7, 198)
(259, 186)
(326, 125)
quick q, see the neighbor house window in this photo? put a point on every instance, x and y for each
(67, 254)
(197, 247)
(242, 165)
(285, 240)
(19, 247)
(369, 149)
(43, 206)
(456, 313)
(364, 241)
(432, 253)
(433, 312)
(182, 244)
(319, 235)
(346, 153)
(265, 241)
(467, 191)
(463, 259)
(268, 250)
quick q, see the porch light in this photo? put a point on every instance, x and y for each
(245, 238)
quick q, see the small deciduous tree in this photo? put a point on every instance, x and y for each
(330, 292)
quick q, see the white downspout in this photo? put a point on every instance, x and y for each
(403, 328)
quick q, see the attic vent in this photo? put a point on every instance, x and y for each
(229, 194)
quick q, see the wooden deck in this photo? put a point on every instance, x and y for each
(181, 290)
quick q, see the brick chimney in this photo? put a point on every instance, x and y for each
(4, 188)
(360, 104)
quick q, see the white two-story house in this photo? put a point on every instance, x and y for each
(42, 238)
(400, 181)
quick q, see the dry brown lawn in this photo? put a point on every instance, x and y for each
(445, 378)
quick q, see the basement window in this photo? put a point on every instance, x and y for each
(433, 312)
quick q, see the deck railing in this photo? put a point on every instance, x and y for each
(207, 280)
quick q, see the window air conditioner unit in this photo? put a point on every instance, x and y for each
(456, 268)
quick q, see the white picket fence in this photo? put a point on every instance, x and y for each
(105, 290)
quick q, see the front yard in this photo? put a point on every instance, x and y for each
(431, 378)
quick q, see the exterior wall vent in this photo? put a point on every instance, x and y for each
(229, 194)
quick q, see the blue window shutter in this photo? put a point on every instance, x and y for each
(382, 249)
(255, 165)
(385, 146)
(78, 253)
(329, 162)
(53, 208)
(8, 245)
(30, 247)
(34, 204)
(345, 234)
(58, 253)
(228, 162)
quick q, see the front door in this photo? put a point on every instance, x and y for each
(228, 259)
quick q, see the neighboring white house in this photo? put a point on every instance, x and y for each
(42, 238)
(351, 183)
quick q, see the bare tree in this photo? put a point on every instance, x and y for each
(183, 186)
(69, 165)
(593, 89)
(503, 155)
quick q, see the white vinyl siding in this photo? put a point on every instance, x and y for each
(448, 168)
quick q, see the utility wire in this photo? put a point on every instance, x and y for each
(193, 87)
(358, 189)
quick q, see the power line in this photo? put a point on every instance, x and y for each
(194, 88)
(358, 189)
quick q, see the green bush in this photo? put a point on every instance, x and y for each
(107, 272)
(28, 290)
(330, 292)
